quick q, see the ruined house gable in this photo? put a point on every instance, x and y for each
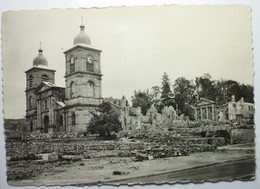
(204, 101)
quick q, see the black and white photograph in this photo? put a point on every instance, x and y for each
(128, 95)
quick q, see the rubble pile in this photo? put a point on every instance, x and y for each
(35, 136)
(42, 136)
(13, 135)
(240, 136)
(30, 169)
(187, 145)
(24, 150)
(163, 136)
(21, 151)
(184, 137)
(166, 146)
(64, 135)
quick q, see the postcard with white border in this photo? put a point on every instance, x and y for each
(128, 95)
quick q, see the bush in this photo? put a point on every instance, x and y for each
(223, 133)
(105, 121)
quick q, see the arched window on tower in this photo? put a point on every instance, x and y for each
(72, 90)
(45, 77)
(60, 121)
(90, 89)
(72, 65)
(31, 126)
(90, 63)
(30, 81)
(30, 102)
(73, 119)
(46, 104)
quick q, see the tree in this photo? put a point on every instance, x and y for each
(155, 96)
(246, 91)
(205, 87)
(225, 89)
(189, 111)
(183, 93)
(166, 93)
(142, 99)
(104, 121)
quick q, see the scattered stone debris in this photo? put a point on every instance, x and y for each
(71, 158)
(177, 138)
(117, 173)
(120, 173)
(50, 157)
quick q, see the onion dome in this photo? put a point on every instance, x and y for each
(82, 37)
(40, 60)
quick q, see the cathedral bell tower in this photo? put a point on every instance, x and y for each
(34, 76)
(83, 82)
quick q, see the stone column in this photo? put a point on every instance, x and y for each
(207, 112)
(213, 113)
(201, 115)
(65, 121)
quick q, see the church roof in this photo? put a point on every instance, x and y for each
(83, 46)
(45, 85)
(44, 67)
(60, 103)
(40, 62)
(40, 59)
(82, 40)
(82, 37)
(50, 84)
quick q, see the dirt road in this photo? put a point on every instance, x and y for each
(238, 170)
(100, 170)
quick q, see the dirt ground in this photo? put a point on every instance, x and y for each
(99, 170)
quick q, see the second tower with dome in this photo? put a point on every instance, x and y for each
(83, 80)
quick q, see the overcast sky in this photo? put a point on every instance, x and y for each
(138, 44)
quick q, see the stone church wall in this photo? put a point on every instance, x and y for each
(82, 118)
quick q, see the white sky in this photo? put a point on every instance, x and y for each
(138, 44)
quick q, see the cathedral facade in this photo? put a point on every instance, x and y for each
(50, 108)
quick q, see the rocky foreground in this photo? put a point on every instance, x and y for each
(97, 170)
(66, 160)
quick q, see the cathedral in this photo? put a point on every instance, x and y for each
(51, 108)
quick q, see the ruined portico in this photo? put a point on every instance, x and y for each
(205, 109)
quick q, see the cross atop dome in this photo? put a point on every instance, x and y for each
(40, 59)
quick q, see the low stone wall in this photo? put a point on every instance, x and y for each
(30, 149)
(240, 136)
(22, 150)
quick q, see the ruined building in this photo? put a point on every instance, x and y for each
(236, 110)
(206, 109)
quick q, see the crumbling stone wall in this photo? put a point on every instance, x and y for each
(239, 136)
(27, 149)
(171, 146)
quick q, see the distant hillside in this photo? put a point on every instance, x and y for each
(15, 124)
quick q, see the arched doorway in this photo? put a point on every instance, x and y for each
(31, 126)
(46, 124)
(73, 119)
(90, 89)
(61, 123)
